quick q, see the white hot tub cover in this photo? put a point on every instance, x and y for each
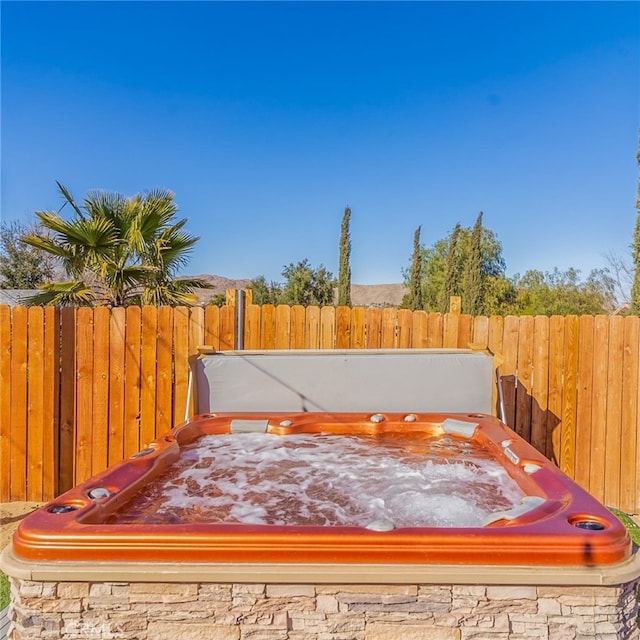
(353, 380)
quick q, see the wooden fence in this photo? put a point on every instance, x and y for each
(83, 388)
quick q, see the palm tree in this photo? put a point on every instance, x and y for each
(117, 251)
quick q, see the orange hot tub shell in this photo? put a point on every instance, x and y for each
(545, 535)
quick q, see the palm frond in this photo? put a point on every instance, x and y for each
(69, 199)
(63, 294)
(194, 283)
(159, 296)
(124, 249)
(46, 244)
(173, 248)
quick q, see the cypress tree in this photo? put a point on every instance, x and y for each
(344, 271)
(415, 289)
(450, 270)
(472, 280)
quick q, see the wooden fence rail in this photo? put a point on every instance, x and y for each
(83, 388)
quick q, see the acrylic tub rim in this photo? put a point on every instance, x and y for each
(611, 548)
(312, 573)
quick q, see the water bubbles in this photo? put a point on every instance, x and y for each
(410, 480)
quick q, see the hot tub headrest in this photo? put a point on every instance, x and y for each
(353, 380)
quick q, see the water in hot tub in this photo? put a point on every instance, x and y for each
(327, 480)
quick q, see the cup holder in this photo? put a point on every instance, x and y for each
(588, 524)
(62, 508)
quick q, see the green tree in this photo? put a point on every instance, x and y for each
(499, 296)
(117, 251)
(413, 299)
(472, 276)
(218, 300)
(635, 253)
(22, 266)
(563, 293)
(307, 286)
(264, 292)
(344, 271)
(444, 263)
(451, 275)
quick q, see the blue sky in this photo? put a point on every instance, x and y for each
(266, 119)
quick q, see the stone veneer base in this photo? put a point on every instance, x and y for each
(212, 611)
(171, 605)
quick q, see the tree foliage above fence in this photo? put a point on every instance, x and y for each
(469, 263)
(22, 266)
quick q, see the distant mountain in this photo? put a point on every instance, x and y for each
(362, 295)
(377, 295)
(219, 284)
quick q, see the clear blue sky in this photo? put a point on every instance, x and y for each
(267, 119)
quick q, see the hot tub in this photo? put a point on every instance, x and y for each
(346, 495)
(525, 511)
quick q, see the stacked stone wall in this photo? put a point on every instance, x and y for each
(208, 611)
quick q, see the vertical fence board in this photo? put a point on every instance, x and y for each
(19, 404)
(283, 327)
(312, 328)
(509, 368)
(612, 445)
(524, 377)
(583, 402)
(164, 372)
(253, 324)
(568, 435)
(480, 331)
(84, 387)
(51, 430)
(358, 327)
(35, 403)
(228, 328)
(181, 364)
(99, 448)
(211, 326)
(5, 403)
(117, 328)
(148, 360)
(450, 333)
(388, 335)
(405, 329)
(133, 380)
(629, 441)
(465, 331)
(495, 332)
(554, 400)
(298, 320)
(540, 383)
(196, 329)
(268, 327)
(373, 321)
(435, 329)
(68, 399)
(327, 327)
(599, 406)
(419, 330)
(343, 328)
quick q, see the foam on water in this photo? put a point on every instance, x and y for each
(325, 480)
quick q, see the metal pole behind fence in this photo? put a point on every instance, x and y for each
(240, 305)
